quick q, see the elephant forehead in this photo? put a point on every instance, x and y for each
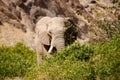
(58, 20)
(56, 24)
(55, 28)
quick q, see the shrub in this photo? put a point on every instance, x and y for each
(76, 62)
(15, 60)
(106, 64)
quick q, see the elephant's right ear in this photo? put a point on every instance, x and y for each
(45, 38)
(67, 22)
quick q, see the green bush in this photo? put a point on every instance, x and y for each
(15, 60)
(76, 62)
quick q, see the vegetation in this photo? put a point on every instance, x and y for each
(76, 62)
(15, 60)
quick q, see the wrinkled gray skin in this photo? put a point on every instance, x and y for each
(50, 32)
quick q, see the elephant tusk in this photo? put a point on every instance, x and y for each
(49, 51)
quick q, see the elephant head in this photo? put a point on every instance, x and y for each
(56, 30)
(49, 32)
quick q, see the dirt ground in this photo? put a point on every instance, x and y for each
(10, 35)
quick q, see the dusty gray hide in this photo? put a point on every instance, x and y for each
(49, 35)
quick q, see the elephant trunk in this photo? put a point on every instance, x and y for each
(58, 41)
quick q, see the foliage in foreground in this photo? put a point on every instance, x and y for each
(15, 60)
(76, 62)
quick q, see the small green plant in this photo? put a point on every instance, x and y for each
(15, 60)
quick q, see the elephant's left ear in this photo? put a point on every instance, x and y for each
(45, 38)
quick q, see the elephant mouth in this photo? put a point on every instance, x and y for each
(47, 47)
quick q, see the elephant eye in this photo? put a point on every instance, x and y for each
(50, 32)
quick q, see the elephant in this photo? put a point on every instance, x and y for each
(49, 36)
